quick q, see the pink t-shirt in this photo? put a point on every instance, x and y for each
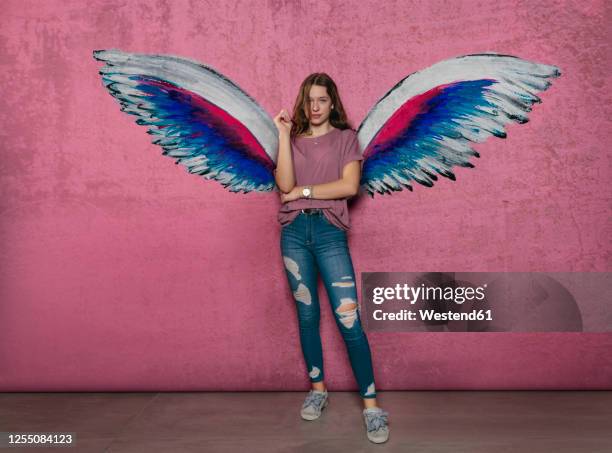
(318, 160)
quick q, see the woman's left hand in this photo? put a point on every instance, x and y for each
(295, 193)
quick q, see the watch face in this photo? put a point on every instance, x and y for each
(306, 192)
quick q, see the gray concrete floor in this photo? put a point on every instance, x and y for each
(245, 422)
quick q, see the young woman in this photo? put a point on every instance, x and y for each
(317, 170)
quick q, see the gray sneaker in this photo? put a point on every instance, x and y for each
(315, 402)
(376, 424)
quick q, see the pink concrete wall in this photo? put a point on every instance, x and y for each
(122, 272)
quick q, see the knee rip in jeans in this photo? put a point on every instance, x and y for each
(302, 294)
(347, 312)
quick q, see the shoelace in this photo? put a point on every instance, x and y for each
(314, 399)
(376, 420)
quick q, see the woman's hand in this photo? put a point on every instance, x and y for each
(283, 122)
(295, 193)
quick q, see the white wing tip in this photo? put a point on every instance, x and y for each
(111, 54)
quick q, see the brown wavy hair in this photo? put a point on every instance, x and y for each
(337, 116)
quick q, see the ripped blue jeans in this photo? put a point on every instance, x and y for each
(309, 245)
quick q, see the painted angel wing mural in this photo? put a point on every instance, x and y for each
(422, 127)
(198, 116)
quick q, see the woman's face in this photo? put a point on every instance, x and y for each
(318, 105)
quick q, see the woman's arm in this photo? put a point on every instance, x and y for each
(283, 174)
(345, 187)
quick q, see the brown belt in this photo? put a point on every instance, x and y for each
(311, 211)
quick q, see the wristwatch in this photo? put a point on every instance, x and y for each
(307, 192)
